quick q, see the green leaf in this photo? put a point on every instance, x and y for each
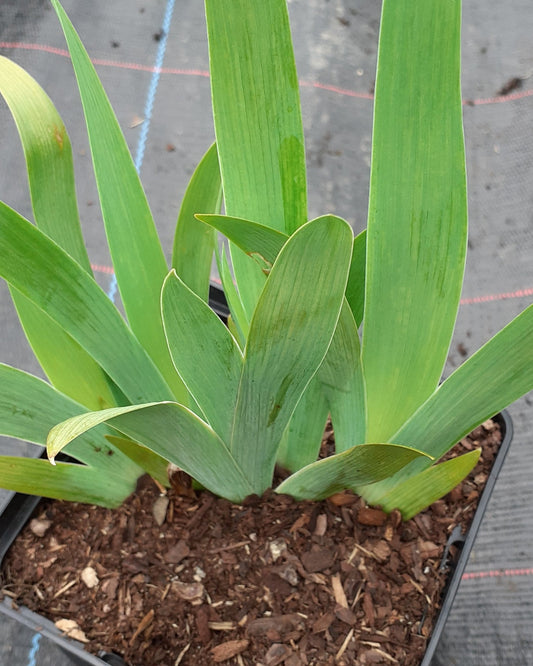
(417, 493)
(490, 380)
(238, 315)
(65, 481)
(49, 165)
(343, 386)
(361, 464)
(150, 462)
(48, 157)
(302, 438)
(256, 108)
(204, 352)
(194, 242)
(172, 432)
(138, 259)
(34, 265)
(355, 289)
(29, 407)
(290, 333)
(258, 125)
(260, 242)
(416, 236)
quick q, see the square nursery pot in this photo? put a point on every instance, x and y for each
(24, 622)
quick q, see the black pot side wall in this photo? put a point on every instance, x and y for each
(46, 636)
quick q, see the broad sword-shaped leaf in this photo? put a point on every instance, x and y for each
(258, 125)
(138, 259)
(50, 171)
(416, 235)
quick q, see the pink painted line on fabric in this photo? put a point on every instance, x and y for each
(108, 270)
(103, 62)
(335, 89)
(102, 269)
(497, 573)
(519, 293)
(205, 74)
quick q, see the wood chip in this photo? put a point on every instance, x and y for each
(143, 624)
(40, 526)
(338, 591)
(89, 577)
(71, 629)
(188, 591)
(277, 653)
(227, 650)
(159, 509)
(321, 525)
(372, 517)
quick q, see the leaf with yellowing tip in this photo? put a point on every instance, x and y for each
(29, 407)
(50, 171)
(65, 481)
(365, 463)
(490, 380)
(418, 492)
(171, 431)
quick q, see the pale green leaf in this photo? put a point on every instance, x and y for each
(29, 407)
(238, 315)
(290, 333)
(206, 356)
(361, 464)
(341, 377)
(418, 492)
(302, 438)
(50, 170)
(48, 157)
(172, 432)
(65, 481)
(416, 235)
(260, 242)
(258, 126)
(355, 289)
(194, 242)
(150, 462)
(491, 379)
(138, 259)
(34, 265)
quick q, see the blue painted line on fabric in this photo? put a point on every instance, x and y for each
(148, 108)
(34, 649)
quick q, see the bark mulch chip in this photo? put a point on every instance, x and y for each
(271, 581)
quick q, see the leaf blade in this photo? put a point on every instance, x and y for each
(357, 465)
(194, 242)
(416, 236)
(289, 336)
(138, 260)
(34, 265)
(171, 431)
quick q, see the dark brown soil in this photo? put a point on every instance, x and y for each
(270, 582)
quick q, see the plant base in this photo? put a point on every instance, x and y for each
(272, 581)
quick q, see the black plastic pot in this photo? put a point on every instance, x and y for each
(19, 509)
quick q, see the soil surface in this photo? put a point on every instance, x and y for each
(186, 578)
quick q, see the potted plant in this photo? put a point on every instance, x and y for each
(228, 404)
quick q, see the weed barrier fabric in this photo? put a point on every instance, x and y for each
(161, 96)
